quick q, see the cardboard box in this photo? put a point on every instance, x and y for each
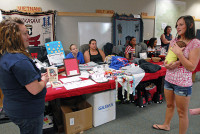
(77, 121)
(104, 106)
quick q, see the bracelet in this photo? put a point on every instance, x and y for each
(44, 82)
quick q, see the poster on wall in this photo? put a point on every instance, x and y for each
(41, 26)
(124, 27)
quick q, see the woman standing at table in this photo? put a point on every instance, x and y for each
(166, 37)
(178, 79)
(20, 80)
(94, 54)
(75, 54)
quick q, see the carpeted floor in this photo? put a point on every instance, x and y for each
(134, 120)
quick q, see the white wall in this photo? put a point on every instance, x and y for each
(193, 8)
(67, 27)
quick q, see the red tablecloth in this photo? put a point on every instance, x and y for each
(148, 76)
(61, 92)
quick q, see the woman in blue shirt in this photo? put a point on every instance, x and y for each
(75, 54)
(22, 83)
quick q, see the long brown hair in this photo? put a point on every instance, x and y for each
(190, 31)
(10, 37)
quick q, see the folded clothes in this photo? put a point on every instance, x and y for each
(149, 67)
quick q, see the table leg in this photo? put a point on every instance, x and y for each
(160, 84)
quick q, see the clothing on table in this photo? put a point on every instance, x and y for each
(80, 57)
(169, 38)
(16, 71)
(181, 76)
(96, 58)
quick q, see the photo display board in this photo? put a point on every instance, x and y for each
(71, 67)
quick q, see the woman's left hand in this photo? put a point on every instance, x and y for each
(172, 65)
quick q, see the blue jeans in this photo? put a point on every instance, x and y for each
(29, 126)
(178, 90)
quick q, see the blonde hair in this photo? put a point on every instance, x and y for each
(10, 37)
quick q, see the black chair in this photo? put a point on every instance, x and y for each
(108, 47)
(84, 47)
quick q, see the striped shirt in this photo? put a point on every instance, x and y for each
(129, 49)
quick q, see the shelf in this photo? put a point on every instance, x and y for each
(148, 17)
(84, 14)
(94, 15)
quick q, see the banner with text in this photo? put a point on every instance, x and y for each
(41, 26)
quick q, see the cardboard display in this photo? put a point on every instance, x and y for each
(71, 67)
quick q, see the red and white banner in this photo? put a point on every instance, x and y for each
(41, 26)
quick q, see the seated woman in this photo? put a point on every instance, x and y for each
(152, 44)
(75, 54)
(93, 53)
(133, 50)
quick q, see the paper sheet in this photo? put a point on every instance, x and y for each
(77, 84)
(70, 79)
